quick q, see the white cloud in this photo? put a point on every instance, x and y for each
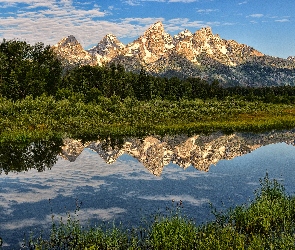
(207, 11)
(179, 24)
(284, 20)
(57, 20)
(84, 215)
(256, 15)
(132, 2)
(145, 21)
(241, 3)
(184, 198)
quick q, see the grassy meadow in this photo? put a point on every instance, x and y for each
(43, 117)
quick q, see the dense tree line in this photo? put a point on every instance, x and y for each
(96, 81)
(35, 70)
(28, 70)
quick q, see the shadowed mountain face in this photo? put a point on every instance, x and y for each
(200, 151)
(200, 54)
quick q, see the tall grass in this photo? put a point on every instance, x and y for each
(45, 117)
(268, 222)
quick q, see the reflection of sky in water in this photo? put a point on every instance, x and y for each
(125, 191)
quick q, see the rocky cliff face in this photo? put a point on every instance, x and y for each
(107, 49)
(200, 54)
(71, 52)
(200, 151)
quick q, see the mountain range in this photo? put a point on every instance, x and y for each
(201, 54)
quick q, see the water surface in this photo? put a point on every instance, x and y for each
(130, 189)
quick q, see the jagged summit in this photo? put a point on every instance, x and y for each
(291, 58)
(110, 40)
(70, 40)
(156, 27)
(205, 32)
(110, 37)
(152, 45)
(108, 47)
(182, 35)
(71, 52)
(200, 54)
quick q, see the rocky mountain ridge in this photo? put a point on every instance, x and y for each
(200, 54)
(199, 151)
(71, 52)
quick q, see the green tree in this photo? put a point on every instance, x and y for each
(28, 70)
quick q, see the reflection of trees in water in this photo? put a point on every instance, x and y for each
(32, 155)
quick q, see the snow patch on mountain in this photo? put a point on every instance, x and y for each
(200, 54)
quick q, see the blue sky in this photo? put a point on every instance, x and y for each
(268, 26)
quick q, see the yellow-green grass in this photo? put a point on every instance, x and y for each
(44, 117)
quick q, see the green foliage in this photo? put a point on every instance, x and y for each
(35, 70)
(28, 70)
(270, 214)
(172, 231)
(268, 222)
(71, 235)
(69, 115)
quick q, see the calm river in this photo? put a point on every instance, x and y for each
(131, 182)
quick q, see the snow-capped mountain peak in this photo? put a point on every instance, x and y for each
(200, 54)
(152, 45)
(71, 52)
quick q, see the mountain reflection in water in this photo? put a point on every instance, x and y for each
(199, 151)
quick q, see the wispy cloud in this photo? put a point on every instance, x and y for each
(207, 11)
(179, 24)
(256, 15)
(185, 198)
(284, 20)
(55, 20)
(132, 2)
(50, 21)
(241, 3)
(145, 21)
